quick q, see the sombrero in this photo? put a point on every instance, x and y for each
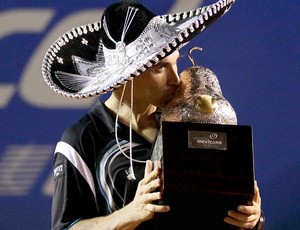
(99, 57)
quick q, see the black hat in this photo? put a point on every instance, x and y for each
(99, 57)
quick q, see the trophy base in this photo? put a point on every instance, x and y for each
(207, 170)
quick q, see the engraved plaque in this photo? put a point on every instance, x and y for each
(207, 140)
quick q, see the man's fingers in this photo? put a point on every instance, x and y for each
(239, 223)
(148, 168)
(248, 210)
(150, 173)
(256, 197)
(157, 208)
(154, 185)
(242, 217)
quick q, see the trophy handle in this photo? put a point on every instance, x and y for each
(190, 54)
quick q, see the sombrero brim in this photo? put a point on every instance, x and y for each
(78, 65)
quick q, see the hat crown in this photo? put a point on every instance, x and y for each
(121, 17)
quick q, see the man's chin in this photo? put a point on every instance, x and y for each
(163, 104)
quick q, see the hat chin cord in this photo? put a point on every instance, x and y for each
(130, 172)
(121, 46)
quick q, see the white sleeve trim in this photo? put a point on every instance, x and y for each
(73, 156)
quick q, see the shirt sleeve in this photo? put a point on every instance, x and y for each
(73, 198)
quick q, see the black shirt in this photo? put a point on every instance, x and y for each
(90, 171)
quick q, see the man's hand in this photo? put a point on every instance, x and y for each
(147, 193)
(137, 211)
(246, 216)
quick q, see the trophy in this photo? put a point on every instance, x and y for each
(199, 98)
(205, 156)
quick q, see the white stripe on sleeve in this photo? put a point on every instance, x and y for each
(73, 156)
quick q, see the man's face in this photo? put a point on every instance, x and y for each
(158, 83)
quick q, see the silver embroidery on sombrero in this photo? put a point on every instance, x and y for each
(97, 77)
(111, 65)
(122, 57)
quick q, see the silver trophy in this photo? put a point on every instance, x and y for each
(199, 98)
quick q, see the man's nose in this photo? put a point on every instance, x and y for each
(173, 78)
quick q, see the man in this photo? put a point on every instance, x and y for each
(102, 173)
